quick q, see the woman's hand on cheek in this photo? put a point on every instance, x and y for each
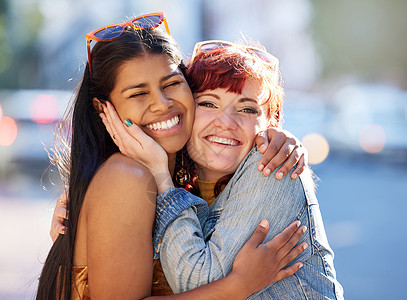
(281, 147)
(133, 142)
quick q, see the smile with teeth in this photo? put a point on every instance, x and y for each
(221, 140)
(164, 125)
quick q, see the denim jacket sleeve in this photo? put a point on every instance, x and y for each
(169, 205)
(192, 256)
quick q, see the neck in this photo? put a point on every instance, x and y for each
(206, 174)
(171, 162)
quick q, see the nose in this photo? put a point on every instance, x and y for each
(226, 120)
(160, 103)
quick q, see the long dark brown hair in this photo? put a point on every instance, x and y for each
(83, 143)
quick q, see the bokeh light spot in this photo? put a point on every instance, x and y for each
(44, 109)
(8, 131)
(372, 138)
(317, 147)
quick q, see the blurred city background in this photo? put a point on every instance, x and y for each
(344, 65)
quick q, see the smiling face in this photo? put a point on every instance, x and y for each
(152, 92)
(225, 128)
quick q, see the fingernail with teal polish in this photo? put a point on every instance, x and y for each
(128, 122)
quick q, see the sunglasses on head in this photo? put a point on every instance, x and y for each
(207, 46)
(111, 32)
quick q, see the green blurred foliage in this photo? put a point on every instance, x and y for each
(364, 38)
(18, 52)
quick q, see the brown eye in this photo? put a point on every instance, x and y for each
(207, 104)
(249, 110)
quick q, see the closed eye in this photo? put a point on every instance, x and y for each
(175, 83)
(135, 95)
(138, 94)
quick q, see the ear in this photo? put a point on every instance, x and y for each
(97, 105)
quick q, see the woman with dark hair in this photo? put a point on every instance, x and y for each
(238, 92)
(106, 251)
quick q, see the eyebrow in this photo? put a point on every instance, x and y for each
(208, 94)
(130, 87)
(246, 99)
(175, 73)
(143, 85)
(241, 100)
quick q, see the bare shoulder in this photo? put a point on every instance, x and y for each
(121, 179)
(122, 167)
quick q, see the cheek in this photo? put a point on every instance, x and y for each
(261, 123)
(201, 121)
(186, 99)
(252, 128)
(133, 111)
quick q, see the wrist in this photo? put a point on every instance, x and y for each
(240, 289)
(163, 181)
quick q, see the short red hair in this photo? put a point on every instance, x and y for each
(229, 68)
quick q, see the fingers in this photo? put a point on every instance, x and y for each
(292, 254)
(59, 228)
(259, 234)
(283, 245)
(57, 223)
(289, 155)
(262, 142)
(288, 251)
(138, 134)
(114, 124)
(285, 236)
(299, 168)
(268, 163)
(284, 273)
(107, 125)
(59, 215)
(62, 200)
(61, 212)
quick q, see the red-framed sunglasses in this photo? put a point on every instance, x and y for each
(111, 32)
(210, 45)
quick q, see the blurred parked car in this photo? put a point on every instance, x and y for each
(27, 123)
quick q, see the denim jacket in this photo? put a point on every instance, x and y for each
(198, 245)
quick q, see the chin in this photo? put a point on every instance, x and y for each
(222, 166)
(172, 150)
(173, 147)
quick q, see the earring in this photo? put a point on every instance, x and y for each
(182, 177)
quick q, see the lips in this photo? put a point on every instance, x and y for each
(222, 140)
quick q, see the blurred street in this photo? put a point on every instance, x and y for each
(25, 223)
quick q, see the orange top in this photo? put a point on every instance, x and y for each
(80, 289)
(207, 190)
